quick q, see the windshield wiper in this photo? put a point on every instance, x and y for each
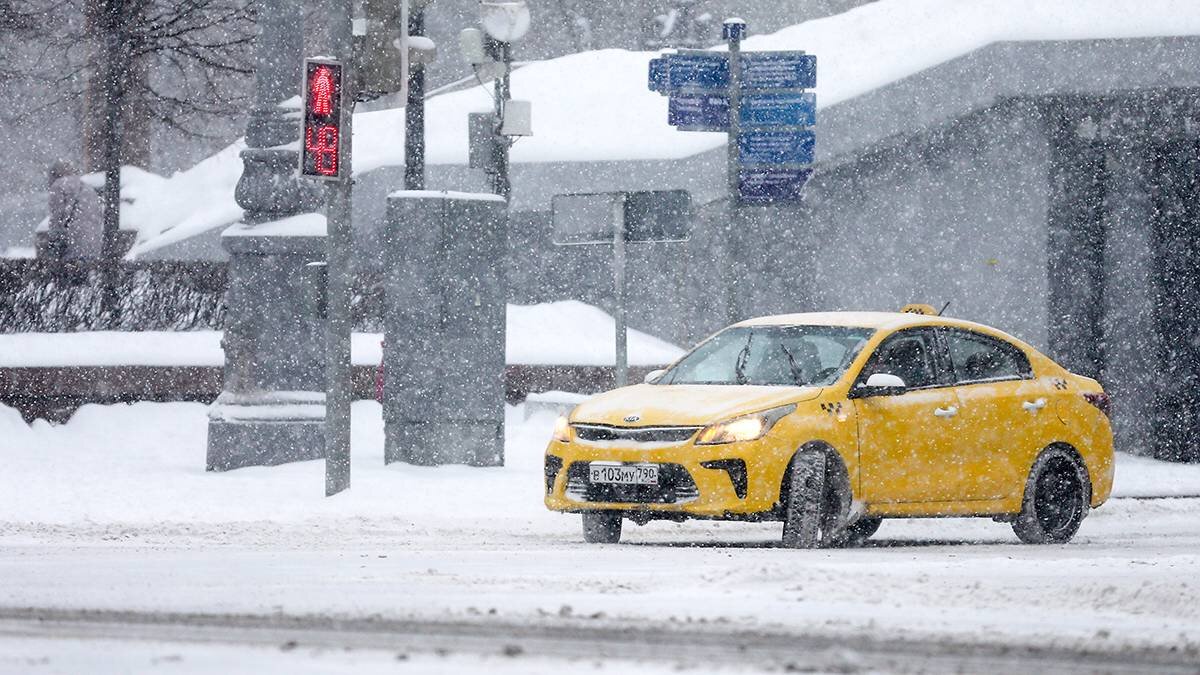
(739, 366)
(797, 374)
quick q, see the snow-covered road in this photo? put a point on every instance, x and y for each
(114, 512)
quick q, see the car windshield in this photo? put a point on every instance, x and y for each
(771, 355)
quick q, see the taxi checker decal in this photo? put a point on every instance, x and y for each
(832, 408)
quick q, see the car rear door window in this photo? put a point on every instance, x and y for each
(981, 358)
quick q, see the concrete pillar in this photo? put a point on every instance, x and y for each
(444, 319)
(1131, 345)
(1076, 244)
(272, 405)
(1176, 232)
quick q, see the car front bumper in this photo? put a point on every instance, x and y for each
(696, 480)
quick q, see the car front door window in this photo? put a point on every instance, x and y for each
(909, 357)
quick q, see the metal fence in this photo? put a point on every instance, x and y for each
(48, 296)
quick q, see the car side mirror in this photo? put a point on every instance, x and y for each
(880, 384)
(652, 376)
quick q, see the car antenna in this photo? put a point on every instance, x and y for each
(943, 309)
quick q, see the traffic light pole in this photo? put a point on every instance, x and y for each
(338, 243)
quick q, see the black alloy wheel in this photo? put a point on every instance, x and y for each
(1056, 499)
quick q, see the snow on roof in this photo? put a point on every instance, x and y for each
(595, 106)
(851, 319)
(875, 320)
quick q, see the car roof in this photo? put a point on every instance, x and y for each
(876, 320)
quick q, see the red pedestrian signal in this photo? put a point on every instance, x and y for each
(320, 153)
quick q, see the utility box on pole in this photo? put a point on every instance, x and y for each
(381, 49)
(444, 322)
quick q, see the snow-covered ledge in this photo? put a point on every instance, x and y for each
(300, 225)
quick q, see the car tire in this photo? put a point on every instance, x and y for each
(805, 503)
(601, 527)
(1056, 499)
(860, 531)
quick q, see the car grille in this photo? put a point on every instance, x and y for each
(602, 432)
(675, 486)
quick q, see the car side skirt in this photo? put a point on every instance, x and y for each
(986, 507)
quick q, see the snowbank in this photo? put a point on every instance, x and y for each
(605, 91)
(572, 332)
(556, 333)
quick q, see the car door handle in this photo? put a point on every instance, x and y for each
(948, 412)
(1034, 406)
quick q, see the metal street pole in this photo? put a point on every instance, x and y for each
(733, 30)
(414, 112)
(337, 258)
(502, 185)
(621, 365)
(113, 85)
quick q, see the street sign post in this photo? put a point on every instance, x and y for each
(759, 99)
(621, 218)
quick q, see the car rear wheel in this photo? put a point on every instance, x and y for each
(1056, 499)
(601, 527)
(805, 500)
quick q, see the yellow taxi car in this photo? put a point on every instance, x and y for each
(830, 422)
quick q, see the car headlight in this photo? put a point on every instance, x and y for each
(745, 428)
(562, 429)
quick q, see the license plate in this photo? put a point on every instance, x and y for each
(623, 474)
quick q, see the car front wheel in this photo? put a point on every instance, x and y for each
(805, 503)
(601, 527)
(1056, 499)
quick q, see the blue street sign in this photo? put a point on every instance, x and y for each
(772, 146)
(710, 112)
(698, 70)
(710, 70)
(779, 110)
(658, 75)
(779, 70)
(772, 185)
(699, 112)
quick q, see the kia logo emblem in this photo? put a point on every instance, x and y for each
(632, 418)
